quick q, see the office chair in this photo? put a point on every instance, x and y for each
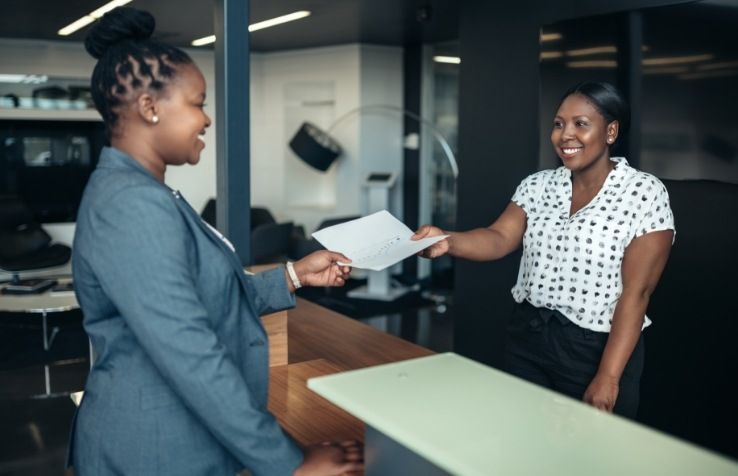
(24, 245)
(270, 242)
(691, 353)
(303, 246)
(259, 215)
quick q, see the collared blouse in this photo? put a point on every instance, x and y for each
(572, 264)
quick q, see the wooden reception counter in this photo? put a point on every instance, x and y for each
(444, 414)
(322, 342)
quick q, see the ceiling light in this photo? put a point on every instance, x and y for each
(550, 36)
(91, 17)
(259, 25)
(279, 20)
(593, 64)
(668, 60)
(671, 70)
(592, 51)
(545, 55)
(206, 40)
(447, 59)
(598, 50)
(709, 74)
(721, 65)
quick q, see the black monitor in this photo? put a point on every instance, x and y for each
(47, 164)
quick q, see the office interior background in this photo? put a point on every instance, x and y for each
(487, 76)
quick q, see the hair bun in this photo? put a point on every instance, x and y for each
(119, 24)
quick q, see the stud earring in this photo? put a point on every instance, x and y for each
(609, 140)
(155, 119)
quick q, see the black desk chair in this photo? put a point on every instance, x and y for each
(259, 215)
(302, 246)
(270, 243)
(688, 386)
(24, 245)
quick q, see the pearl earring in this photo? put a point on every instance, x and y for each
(155, 119)
(609, 140)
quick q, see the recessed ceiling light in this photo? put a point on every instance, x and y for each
(259, 25)
(669, 60)
(709, 74)
(91, 17)
(206, 40)
(447, 59)
(550, 36)
(279, 20)
(593, 64)
(592, 51)
(721, 65)
(666, 70)
(546, 55)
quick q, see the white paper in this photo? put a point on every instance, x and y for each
(373, 242)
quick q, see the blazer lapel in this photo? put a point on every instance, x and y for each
(232, 257)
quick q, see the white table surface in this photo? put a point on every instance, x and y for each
(45, 302)
(470, 419)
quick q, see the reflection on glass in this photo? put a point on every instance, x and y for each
(689, 125)
(585, 50)
(446, 119)
(689, 74)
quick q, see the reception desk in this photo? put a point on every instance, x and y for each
(323, 342)
(448, 415)
(438, 414)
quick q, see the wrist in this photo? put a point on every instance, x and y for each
(608, 375)
(293, 277)
(450, 241)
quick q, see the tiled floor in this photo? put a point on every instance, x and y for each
(35, 426)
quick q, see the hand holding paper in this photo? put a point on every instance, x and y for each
(373, 242)
(435, 250)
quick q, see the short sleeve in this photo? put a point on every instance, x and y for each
(528, 191)
(658, 216)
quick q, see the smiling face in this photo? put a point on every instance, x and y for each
(581, 136)
(182, 119)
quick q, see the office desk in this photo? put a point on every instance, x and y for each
(446, 414)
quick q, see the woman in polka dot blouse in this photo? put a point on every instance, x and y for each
(596, 235)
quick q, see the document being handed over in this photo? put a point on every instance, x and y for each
(373, 242)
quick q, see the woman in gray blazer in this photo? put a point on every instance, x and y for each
(181, 377)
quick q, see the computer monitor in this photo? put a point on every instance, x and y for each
(47, 164)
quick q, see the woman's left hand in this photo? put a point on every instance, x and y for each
(602, 392)
(321, 268)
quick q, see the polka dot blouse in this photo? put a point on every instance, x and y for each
(572, 264)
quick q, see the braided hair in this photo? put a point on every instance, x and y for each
(128, 60)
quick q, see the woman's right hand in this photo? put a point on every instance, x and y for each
(435, 250)
(332, 459)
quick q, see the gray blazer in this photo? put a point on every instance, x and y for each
(180, 382)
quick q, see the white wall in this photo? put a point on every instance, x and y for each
(332, 82)
(359, 75)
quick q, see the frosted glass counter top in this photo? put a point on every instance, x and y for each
(470, 419)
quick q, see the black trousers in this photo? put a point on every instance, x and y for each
(547, 349)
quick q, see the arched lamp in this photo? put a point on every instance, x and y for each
(319, 150)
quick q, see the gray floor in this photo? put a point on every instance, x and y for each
(35, 425)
